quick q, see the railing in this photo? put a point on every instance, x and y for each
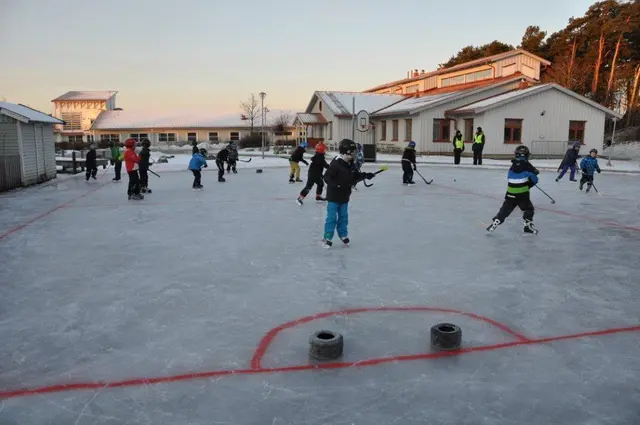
(549, 149)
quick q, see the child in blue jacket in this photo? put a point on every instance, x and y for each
(196, 163)
(589, 165)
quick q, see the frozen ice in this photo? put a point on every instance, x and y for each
(99, 289)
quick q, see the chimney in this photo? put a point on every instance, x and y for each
(415, 73)
(422, 72)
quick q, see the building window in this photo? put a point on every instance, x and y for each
(75, 139)
(576, 131)
(452, 81)
(138, 137)
(512, 130)
(72, 121)
(115, 138)
(192, 137)
(330, 130)
(398, 90)
(213, 137)
(167, 137)
(89, 138)
(479, 75)
(383, 130)
(441, 130)
(320, 106)
(408, 129)
(394, 131)
(235, 136)
(412, 89)
(468, 130)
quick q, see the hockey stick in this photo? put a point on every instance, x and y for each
(382, 168)
(553, 201)
(241, 160)
(425, 180)
(155, 174)
(105, 171)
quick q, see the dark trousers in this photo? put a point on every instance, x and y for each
(197, 178)
(231, 165)
(407, 175)
(457, 153)
(477, 156)
(134, 183)
(311, 180)
(220, 165)
(92, 171)
(117, 166)
(509, 204)
(586, 179)
(144, 177)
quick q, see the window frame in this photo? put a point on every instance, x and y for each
(115, 138)
(575, 126)
(442, 123)
(167, 138)
(215, 138)
(192, 137)
(138, 137)
(468, 136)
(234, 138)
(394, 130)
(408, 129)
(513, 124)
(75, 138)
(383, 130)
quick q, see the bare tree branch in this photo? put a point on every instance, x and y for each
(252, 112)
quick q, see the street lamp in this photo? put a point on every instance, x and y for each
(262, 96)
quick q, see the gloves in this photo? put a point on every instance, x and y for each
(415, 168)
(205, 166)
(369, 176)
(599, 171)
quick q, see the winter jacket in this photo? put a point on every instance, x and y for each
(233, 155)
(318, 165)
(145, 156)
(222, 155)
(197, 161)
(131, 160)
(90, 160)
(478, 142)
(521, 176)
(589, 165)
(115, 153)
(340, 178)
(359, 160)
(458, 142)
(409, 157)
(570, 158)
(297, 155)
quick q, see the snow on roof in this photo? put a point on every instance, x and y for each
(121, 120)
(415, 103)
(341, 102)
(86, 95)
(25, 114)
(311, 118)
(504, 98)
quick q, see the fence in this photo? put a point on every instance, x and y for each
(549, 149)
(10, 172)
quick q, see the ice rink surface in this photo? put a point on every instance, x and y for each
(156, 311)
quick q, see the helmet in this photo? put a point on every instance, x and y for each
(576, 145)
(146, 143)
(321, 148)
(129, 143)
(203, 152)
(412, 145)
(522, 153)
(92, 146)
(347, 147)
(304, 144)
(594, 151)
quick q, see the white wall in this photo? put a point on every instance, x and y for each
(559, 109)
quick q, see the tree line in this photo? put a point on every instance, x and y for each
(596, 55)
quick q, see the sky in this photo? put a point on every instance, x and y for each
(168, 55)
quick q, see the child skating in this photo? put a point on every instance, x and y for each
(221, 158)
(521, 177)
(359, 159)
(317, 167)
(340, 178)
(232, 158)
(91, 163)
(145, 160)
(409, 164)
(294, 162)
(197, 161)
(131, 160)
(588, 166)
(569, 162)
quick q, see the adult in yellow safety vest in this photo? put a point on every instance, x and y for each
(458, 147)
(478, 146)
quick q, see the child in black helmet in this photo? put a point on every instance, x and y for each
(340, 178)
(588, 166)
(521, 177)
(145, 160)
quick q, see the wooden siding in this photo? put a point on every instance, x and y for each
(49, 152)
(10, 169)
(30, 163)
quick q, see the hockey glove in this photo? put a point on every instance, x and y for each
(415, 168)
(369, 176)
(598, 170)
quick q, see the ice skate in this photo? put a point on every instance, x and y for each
(411, 183)
(221, 180)
(326, 244)
(345, 241)
(581, 185)
(573, 180)
(299, 201)
(320, 199)
(291, 180)
(588, 188)
(299, 181)
(529, 227)
(493, 226)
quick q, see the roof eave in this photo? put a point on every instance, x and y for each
(14, 115)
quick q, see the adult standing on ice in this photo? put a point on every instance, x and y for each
(458, 147)
(478, 146)
(570, 161)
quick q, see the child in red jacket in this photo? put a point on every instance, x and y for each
(131, 160)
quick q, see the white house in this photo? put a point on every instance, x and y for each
(27, 149)
(79, 110)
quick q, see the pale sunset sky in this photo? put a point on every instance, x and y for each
(209, 55)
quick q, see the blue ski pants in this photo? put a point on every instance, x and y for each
(337, 217)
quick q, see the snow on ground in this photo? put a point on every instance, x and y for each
(115, 293)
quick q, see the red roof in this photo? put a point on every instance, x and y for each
(475, 84)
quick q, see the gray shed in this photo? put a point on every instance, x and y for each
(27, 148)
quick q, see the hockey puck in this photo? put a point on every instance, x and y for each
(259, 170)
(326, 345)
(446, 336)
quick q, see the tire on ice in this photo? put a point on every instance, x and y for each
(446, 336)
(326, 345)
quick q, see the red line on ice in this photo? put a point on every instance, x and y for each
(261, 349)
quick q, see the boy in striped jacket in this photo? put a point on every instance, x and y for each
(521, 177)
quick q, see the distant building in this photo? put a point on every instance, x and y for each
(27, 150)
(79, 110)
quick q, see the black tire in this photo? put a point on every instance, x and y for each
(326, 345)
(446, 336)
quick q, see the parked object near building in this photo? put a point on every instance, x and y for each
(27, 150)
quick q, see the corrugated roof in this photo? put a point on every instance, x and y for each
(340, 103)
(314, 118)
(86, 95)
(499, 100)
(415, 103)
(25, 114)
(459, 67)
(121, 120)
